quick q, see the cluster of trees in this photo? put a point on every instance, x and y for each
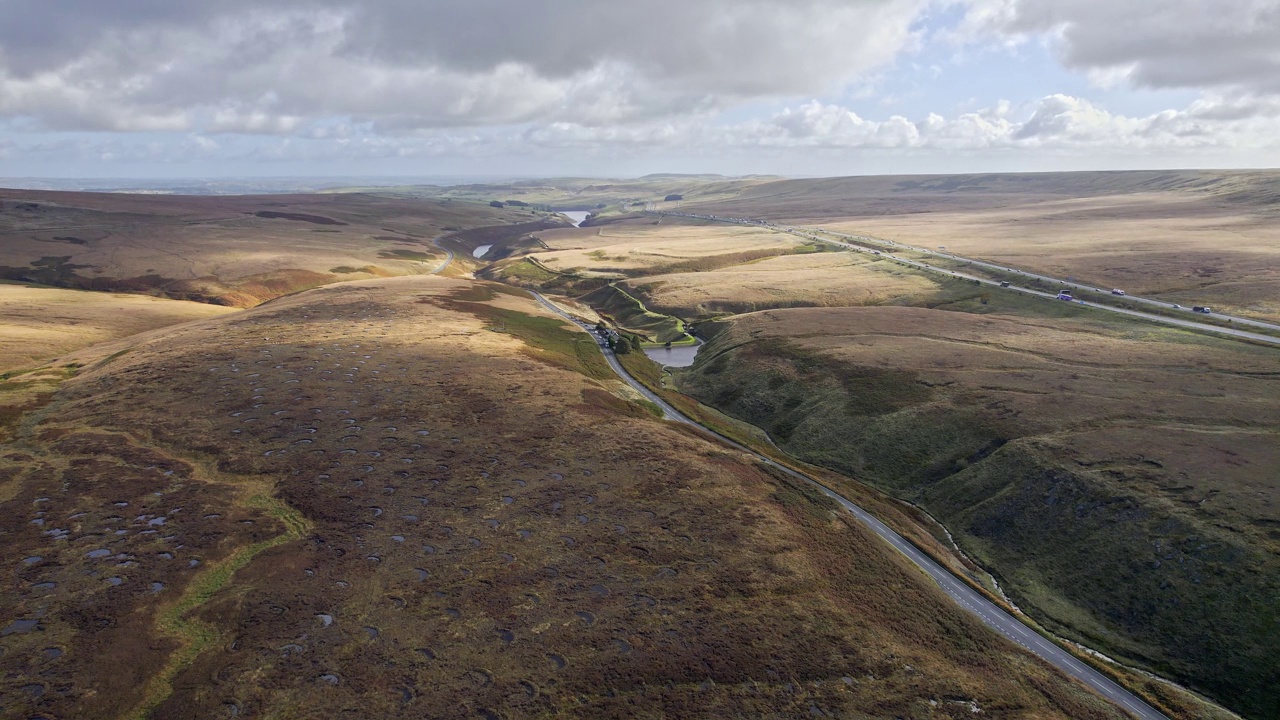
(621, 343)
(673, 198)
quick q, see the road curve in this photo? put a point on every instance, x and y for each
(810, 234)
(448, 257)
(991, 614)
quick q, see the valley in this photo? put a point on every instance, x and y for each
(388, 489)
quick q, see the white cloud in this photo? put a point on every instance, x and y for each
(1219, 45)
(401, 64)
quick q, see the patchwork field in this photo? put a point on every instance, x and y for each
(422, 497)
(1192, 237)
(644, 246)
(38, 323)
(819, 279)
(229, 250)
(1119, 481)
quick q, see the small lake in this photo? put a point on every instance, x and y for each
(576, 216)
(678, 356)
(481, 251)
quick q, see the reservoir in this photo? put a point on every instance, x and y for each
(481, 251)
(679, 356)
(575, 216)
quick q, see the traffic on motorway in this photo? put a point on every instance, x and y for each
(828, 236)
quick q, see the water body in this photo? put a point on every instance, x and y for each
(575, 216)
(679, 356)
(481, 251)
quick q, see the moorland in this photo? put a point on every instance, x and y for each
(416, 497)
(1117, 478)
(394, 492)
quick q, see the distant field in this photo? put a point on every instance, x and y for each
(1119, 480)
(594, 194)
(1195, 237)
(820, 279)
(230, 250)
(642, 246)
(421, 497)
(37, 323)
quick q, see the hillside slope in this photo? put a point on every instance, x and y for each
(420, 497)
(1119, 483)
(228, 250)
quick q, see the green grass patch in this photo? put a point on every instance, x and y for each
(527, 270)
(196, 635)
(630, 314)
(550, 340)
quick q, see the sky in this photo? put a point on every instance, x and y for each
(296, 88)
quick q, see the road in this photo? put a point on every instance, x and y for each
(811, 234)
(1235, 319)
(448, 255)
(968, 598)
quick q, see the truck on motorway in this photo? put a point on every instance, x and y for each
(1064, 295)
(1117, 292)
(1202, 309)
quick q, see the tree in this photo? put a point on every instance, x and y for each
(622, 345)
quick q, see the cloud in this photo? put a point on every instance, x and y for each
(1057, 123)
(1228, 46)
(254, 66)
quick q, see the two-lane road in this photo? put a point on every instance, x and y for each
(968, 598)
(448, 255)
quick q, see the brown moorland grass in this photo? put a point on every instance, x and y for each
(38, 323)
(638, 246)
(819, 279)
(1188, 237)
(230, 250)
(440, 522)
(1120, 482)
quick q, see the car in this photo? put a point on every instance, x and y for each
(1176, 306)
(1004, 284)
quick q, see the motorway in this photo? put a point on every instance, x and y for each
(811, 234)
(968, 598)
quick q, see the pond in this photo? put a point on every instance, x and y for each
(575, 216)
(676, 356)
(481, 251)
